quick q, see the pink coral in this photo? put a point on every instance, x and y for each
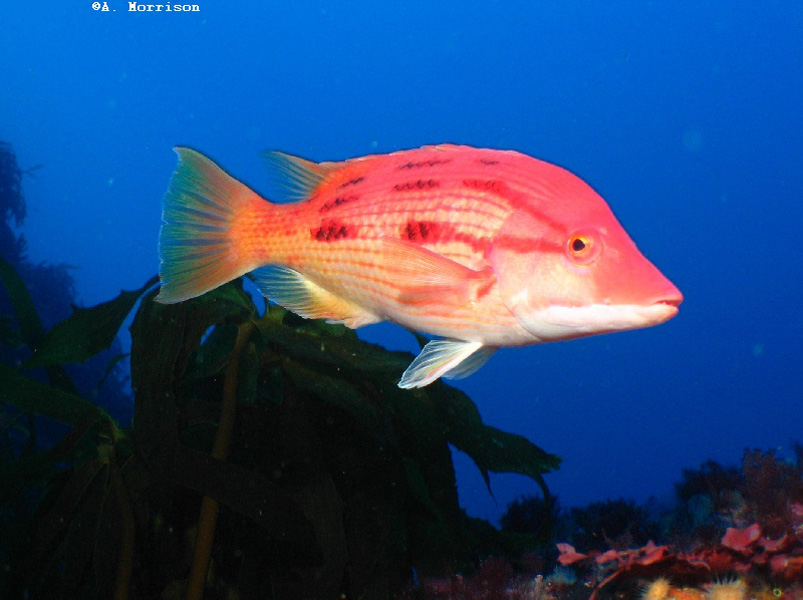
(568, 554)
(741, 539)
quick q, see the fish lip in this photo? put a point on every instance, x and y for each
(671, 297)
(672, 308)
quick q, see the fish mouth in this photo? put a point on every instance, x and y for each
(673, 305)
(671, 302)
(663, 310)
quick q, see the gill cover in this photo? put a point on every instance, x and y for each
(539, 265)
(514, 256)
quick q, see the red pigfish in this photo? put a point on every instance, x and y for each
(482, 248)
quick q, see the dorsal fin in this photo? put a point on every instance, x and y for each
(297, 176)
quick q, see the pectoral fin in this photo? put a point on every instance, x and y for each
(421, 274)
(448, 358)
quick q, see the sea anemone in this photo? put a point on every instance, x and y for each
(728, 590)
(657, 590)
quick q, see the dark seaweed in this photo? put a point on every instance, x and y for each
(269, 457)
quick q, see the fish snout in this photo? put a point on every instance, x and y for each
(641, 282)
(671, 296)
(663, 305)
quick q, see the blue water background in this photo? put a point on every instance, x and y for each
(685, 116)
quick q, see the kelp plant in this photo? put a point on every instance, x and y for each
(269, 457)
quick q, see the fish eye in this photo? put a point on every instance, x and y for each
(582, 248)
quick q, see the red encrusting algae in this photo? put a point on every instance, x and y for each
(758, 553)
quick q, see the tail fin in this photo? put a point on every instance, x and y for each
(195, 247)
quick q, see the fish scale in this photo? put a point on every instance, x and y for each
(482, 248)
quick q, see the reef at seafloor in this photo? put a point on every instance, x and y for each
(733, 533)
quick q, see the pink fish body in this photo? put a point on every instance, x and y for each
(482, 248)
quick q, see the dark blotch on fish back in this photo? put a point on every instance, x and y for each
(420, 231)
(338, 201)
(491, 185)
(421, 184)
(330, 230)
(354, 181)
(423, 163)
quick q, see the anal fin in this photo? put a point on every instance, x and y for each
(448, 358)
(304, 297)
